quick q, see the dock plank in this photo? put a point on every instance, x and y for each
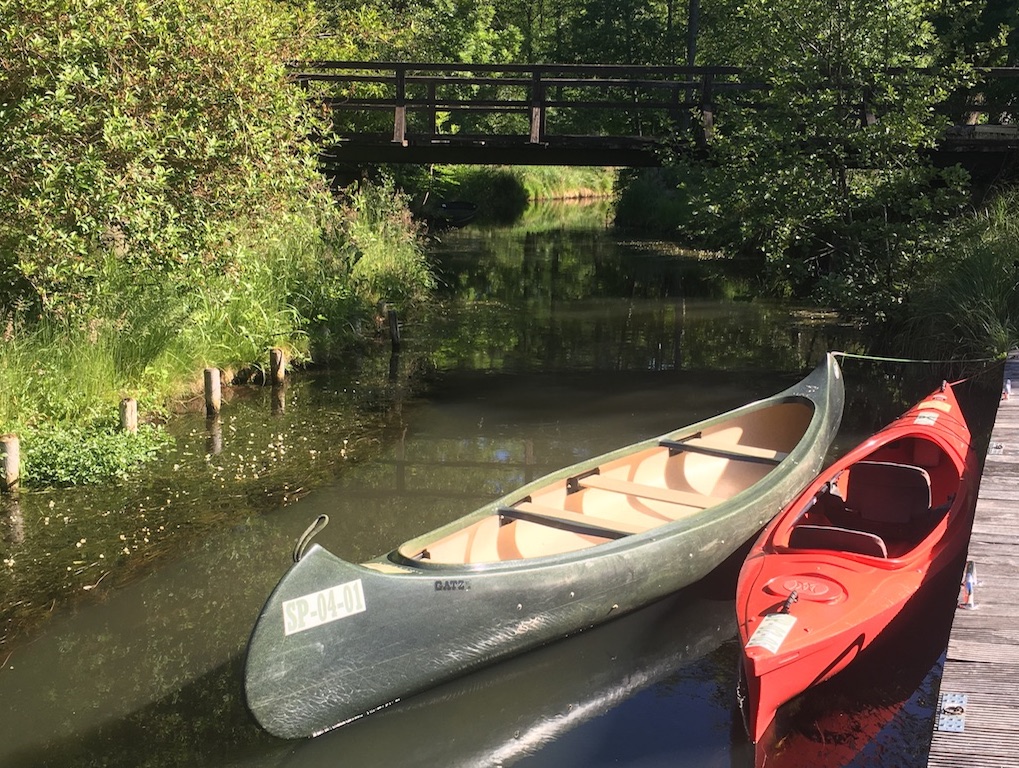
(982, 659)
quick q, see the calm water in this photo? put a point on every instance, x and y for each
(126, 609)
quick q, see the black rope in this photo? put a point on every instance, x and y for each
(309, 533)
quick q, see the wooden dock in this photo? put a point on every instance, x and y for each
(975, 724)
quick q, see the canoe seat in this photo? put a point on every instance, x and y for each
(885, 492)
(575, 522)
(656, 492)
(837, 539)
(725, 451)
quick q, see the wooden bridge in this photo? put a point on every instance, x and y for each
(540, 114)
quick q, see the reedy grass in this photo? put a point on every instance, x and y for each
(503, 193)
(968, 307)
(298, 285)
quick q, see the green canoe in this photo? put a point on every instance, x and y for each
(337, 640)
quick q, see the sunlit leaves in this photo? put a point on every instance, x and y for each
(155, 126)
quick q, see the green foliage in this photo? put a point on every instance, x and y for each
(440, 30)
(145, 132)
(825, 180)
(968, 304)
(628, 32)
(657, 200)
(502, 193)
(75, 455)
(384, 255)
(162, 212)
(300, 289)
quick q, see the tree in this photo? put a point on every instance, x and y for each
(827, 177)
(143, 138)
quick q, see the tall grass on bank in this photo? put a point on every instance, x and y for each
(502, 193)
(303, 285)
(968, 307)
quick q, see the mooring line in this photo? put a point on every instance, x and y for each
(879, 359)
(952, 361)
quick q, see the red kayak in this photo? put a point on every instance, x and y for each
(837, 565)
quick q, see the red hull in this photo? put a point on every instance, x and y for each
(837, 566)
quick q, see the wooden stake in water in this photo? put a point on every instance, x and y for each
(214, 436)
(212, 392)
(10, 462)
(129, 415)
(277, 366)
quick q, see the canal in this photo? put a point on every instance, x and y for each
(126, 608)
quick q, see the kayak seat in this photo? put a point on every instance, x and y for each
(831, 537)
(885, 492)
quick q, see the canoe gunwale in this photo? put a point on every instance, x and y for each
(799, 394)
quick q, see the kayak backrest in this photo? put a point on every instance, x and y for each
(887, 492)
(837, 539)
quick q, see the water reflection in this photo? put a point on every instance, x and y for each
(127, 608)
(508, 714)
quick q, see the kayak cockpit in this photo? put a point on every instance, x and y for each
(882, 506)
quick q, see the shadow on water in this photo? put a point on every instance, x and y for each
(128, 607)
(497, 716)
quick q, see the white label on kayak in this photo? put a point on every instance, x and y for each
(772, 632)
(926, 419)
(322, 607)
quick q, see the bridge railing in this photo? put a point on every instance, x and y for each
(537, 103)
(602, 113)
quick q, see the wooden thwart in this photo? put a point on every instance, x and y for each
(670, 495)
(572, 521)
(732, 451)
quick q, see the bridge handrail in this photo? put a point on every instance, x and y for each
(696, 89)
(684, 96)
(664, 69)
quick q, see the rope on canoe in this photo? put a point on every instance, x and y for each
(309, 533)
(879, 359)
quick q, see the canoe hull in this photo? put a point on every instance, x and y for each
(421, 629)
(337, 640)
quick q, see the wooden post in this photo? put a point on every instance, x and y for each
(432, 127)
(129, 415)
(212, 392)
(537, 108)
(707, 110)
(214, 436)
(10, 462)
(394, 329)
(277, 366)
(400, 115)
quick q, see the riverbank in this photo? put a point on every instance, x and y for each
(313, 292)
(911, 264)
(503, 193)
